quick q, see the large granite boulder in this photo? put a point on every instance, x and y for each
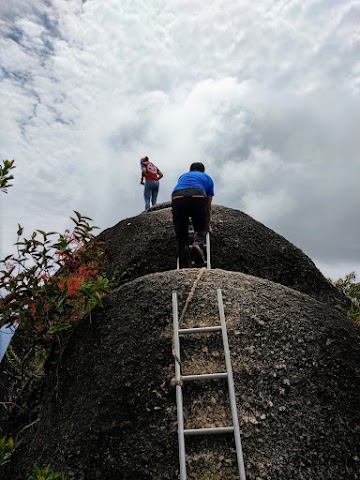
(108, 411)
(146, 244)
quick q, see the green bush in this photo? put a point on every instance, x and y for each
(7, 446)
(52, 283)
(45, 473)
(351, 289)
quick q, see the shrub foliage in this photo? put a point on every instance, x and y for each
(5, 176)
(52, 281)
(351, 289)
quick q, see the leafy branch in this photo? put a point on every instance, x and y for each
(45, 474)
(5, 169)
(351, 289)
(52, 281)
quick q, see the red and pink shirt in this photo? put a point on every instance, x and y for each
(151, 171)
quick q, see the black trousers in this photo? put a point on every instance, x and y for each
(182, 209)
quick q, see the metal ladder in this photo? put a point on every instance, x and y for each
(180, 379)
(208, 261)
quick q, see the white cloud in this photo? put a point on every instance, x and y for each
(265, 93)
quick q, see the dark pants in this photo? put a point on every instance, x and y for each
(182, 209)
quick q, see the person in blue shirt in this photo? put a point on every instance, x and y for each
(191, 198)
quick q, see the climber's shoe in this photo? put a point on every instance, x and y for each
(197, 255)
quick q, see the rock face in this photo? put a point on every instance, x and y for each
(146, 244)
(109, 412)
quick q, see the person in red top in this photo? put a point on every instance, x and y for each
(151, 174)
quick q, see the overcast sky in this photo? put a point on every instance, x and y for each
(265, 93)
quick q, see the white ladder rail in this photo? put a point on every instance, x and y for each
(208, 259)
(179, 396)
(230, 379)
(179, 379)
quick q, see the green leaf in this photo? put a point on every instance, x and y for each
(44, 234)
(77, 214)
(59, 328)
(62, 297)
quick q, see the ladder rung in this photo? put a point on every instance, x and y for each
(204, 376)
(208, 431)
(185, 331)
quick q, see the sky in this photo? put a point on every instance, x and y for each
(265, 94)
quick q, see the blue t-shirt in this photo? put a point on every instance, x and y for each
(196, 180)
